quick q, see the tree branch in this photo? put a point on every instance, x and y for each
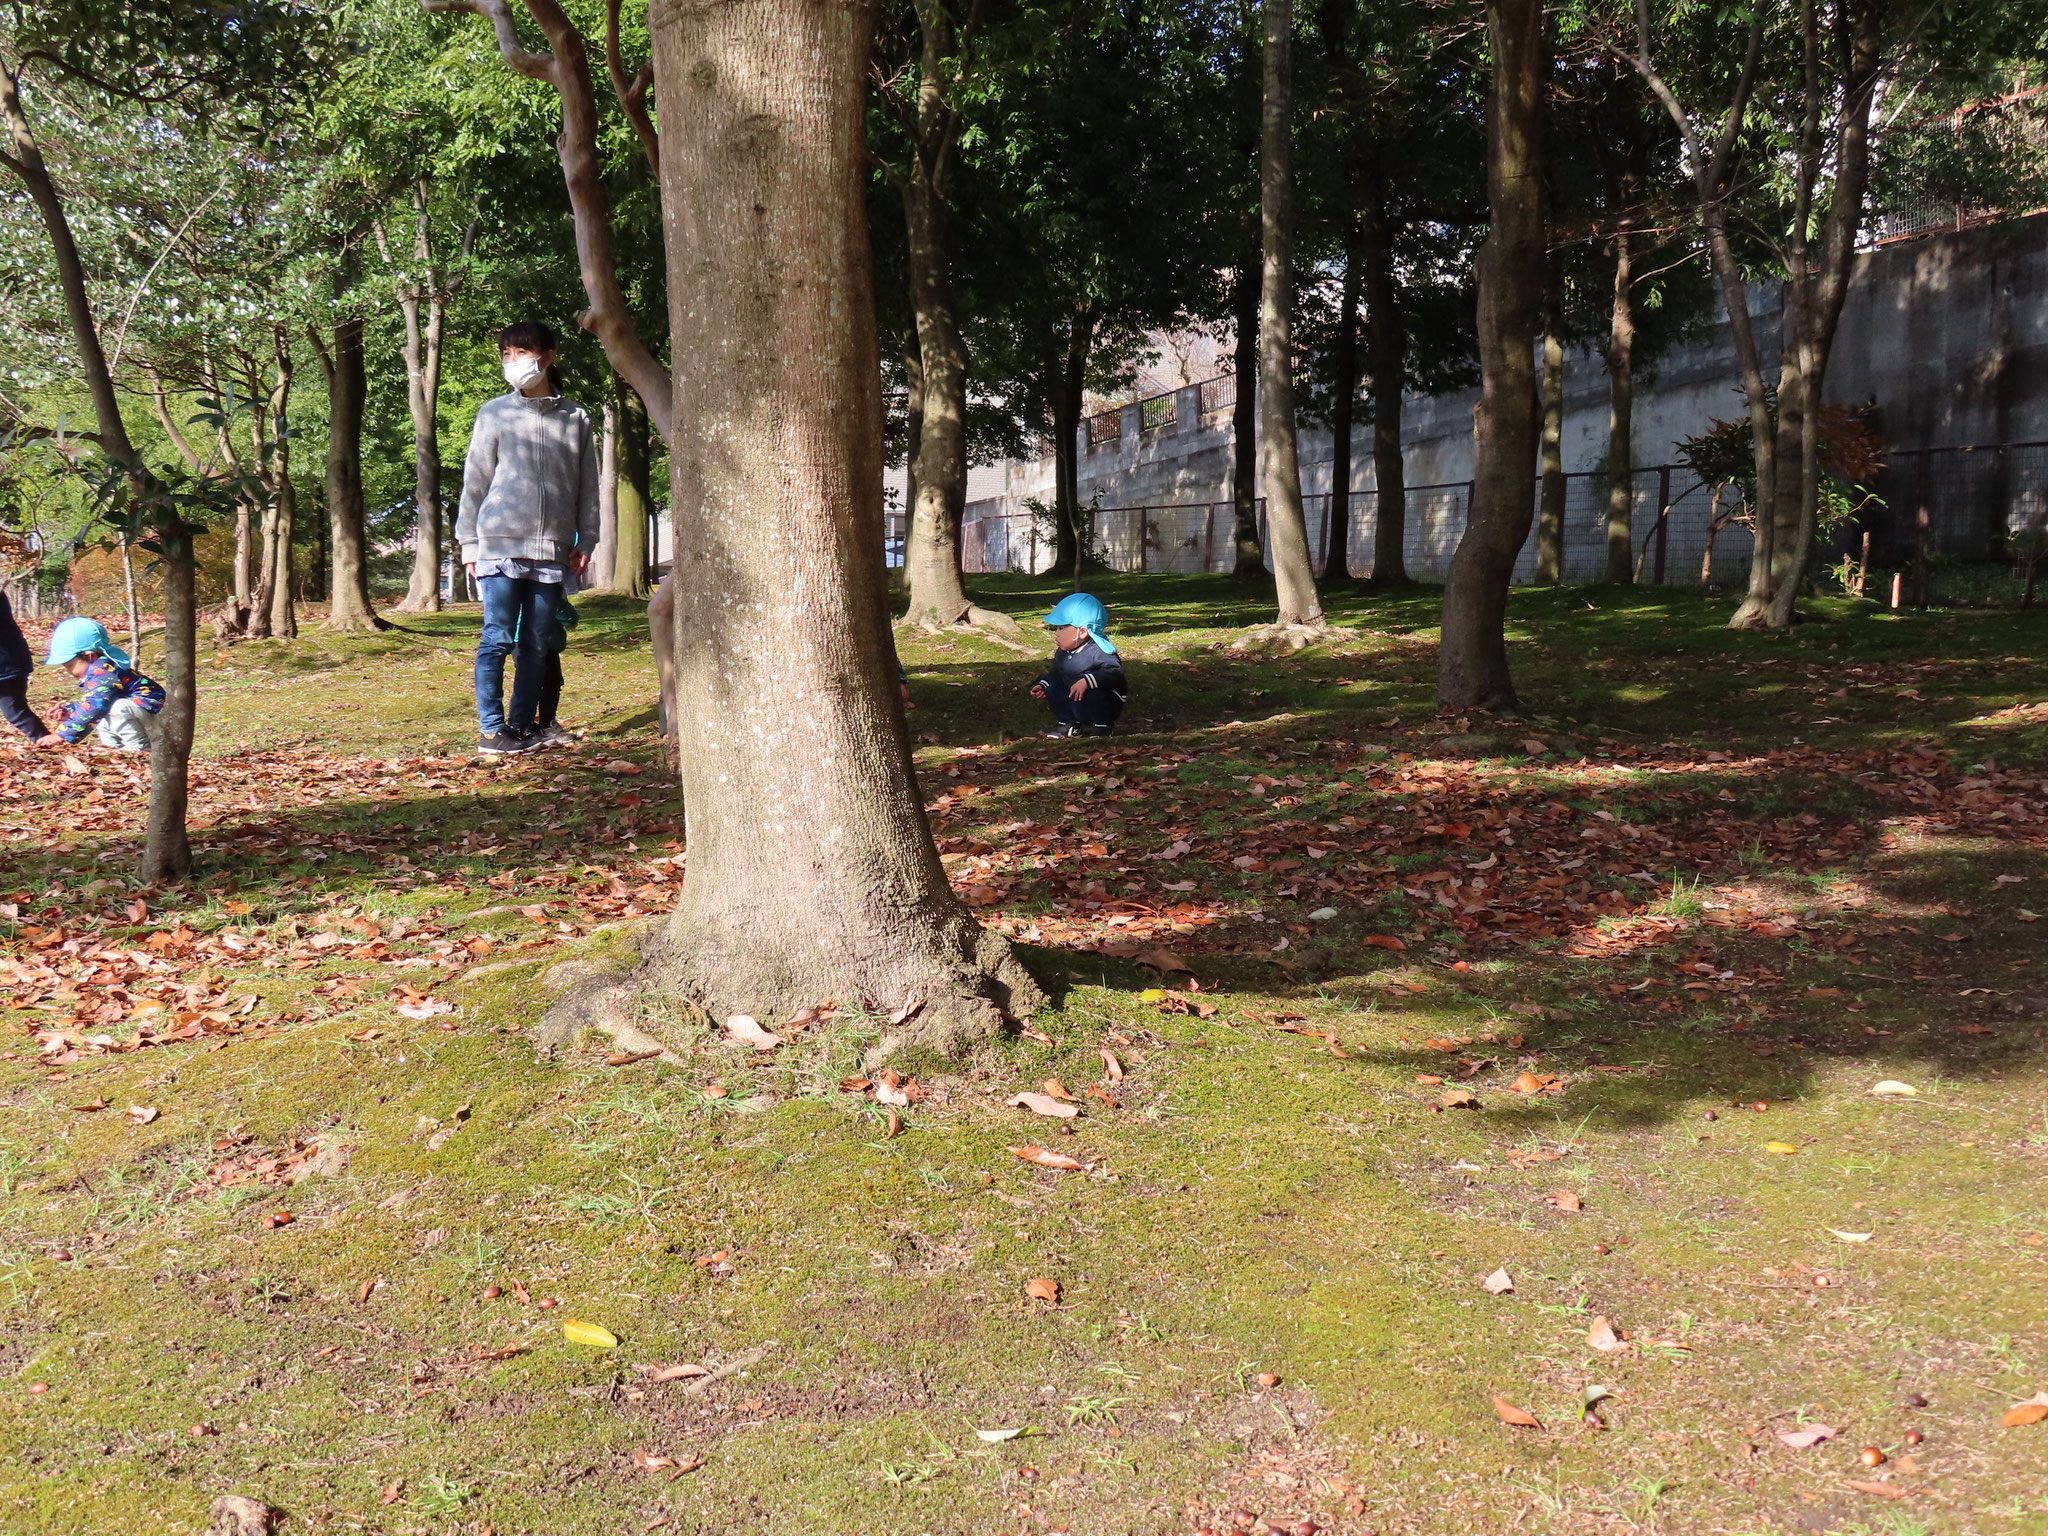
(536, 66)
(632, 96)
(609, 319)
(163, 415)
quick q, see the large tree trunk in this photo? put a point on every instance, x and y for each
(1473, 658)
(1250, 559)
(1294, 571)
(636, 499)
(1621, 341)
(349, 608)
(262, 591)
(1343, 402)
(1069, 389)
(811, 872)
(166, 853)
(1550, 509)
(1388, 336)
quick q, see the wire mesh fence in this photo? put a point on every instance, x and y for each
(1953, 525)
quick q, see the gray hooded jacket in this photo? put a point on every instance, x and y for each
(529, 484)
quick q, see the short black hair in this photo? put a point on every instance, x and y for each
(526, 336)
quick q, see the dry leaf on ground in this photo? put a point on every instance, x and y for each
(1045, 1159)
(1056, 1089)
(646, 1461)
(1043, 1290)
(1041, 1104)
(2032, 1411)
(750, 1032)
(1521, 1418)
(142, 1114)
(1112, 1069)
(673, 1372)
(1563, 1200)
(1605, 1337)
(1809, 1436)
(588, 1334)
(1497, 1283)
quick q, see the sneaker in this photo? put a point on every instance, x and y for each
(1061, 733)
(552, 735)
(505, 743)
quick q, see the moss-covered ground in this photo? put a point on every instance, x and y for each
(1598, 998)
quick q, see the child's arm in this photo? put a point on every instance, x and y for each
(479, 468)
(96, 695)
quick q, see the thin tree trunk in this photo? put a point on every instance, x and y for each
(128, 588)
(421, 349)
(1473, 659)
(166, 852)
(1343, 402)
(284, 618)
(1550, 512)
(349, 608)
(604, 559)
(1388, 336)
(262, 592)
(1294, 572)
(1244, 424)
(636, 500)
(932, 547)
(812, 871)
(1621, 337)
(1068, 392)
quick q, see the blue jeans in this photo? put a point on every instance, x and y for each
(519, 616)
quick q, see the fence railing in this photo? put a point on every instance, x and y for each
(1958, 524)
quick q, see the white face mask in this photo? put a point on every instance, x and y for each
(522, 371)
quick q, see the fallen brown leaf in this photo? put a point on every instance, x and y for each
(1042, 1104)
(1056, 1089)
(1497, 1283)
(1043, 1290)
(2032, 1411)
(1521, 1418)
(1563, 1200)
(1882, 1490)
(1604, 1337)
(1382, 941)
(1045, 1159)
(627, 1058)
(1808, 1437)
(1112, 1069)
(392, 1493)
(647, 1461)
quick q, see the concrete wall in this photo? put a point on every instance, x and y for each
(1947, 334)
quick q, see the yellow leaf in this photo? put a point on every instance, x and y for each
(587, 1333)
(1782, 1148)
(1152, 995)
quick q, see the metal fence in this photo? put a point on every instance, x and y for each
(1955, 525)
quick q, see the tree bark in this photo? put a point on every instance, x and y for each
(166, 851)
(1550, 511)
(812, 871)
(128, 590)
(1388, 335)
(1294, 572)
(1244, 427)
(931, 555)
(1621, 340)
(349, 609)
(1473, 659)
(636, 499)
(1343, 402)
(604, 559)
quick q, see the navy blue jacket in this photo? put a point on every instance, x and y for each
(16, 659)
(1102, 669)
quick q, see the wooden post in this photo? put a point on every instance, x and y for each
(1209, 539)
(1863, 567)
(1898, 583)
(1921, 525)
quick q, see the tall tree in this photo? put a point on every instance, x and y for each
(812, 869)
(182, 61)
(922, 91)
(1472, 658)
(423, 289)
(1294, 573)
(349, 609)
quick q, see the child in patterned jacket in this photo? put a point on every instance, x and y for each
(113, 696)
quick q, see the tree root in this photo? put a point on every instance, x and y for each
(949, 1008)
(991, 625)
(1271, 639)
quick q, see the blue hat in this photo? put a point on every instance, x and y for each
(81, 637)
(1083, 612)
